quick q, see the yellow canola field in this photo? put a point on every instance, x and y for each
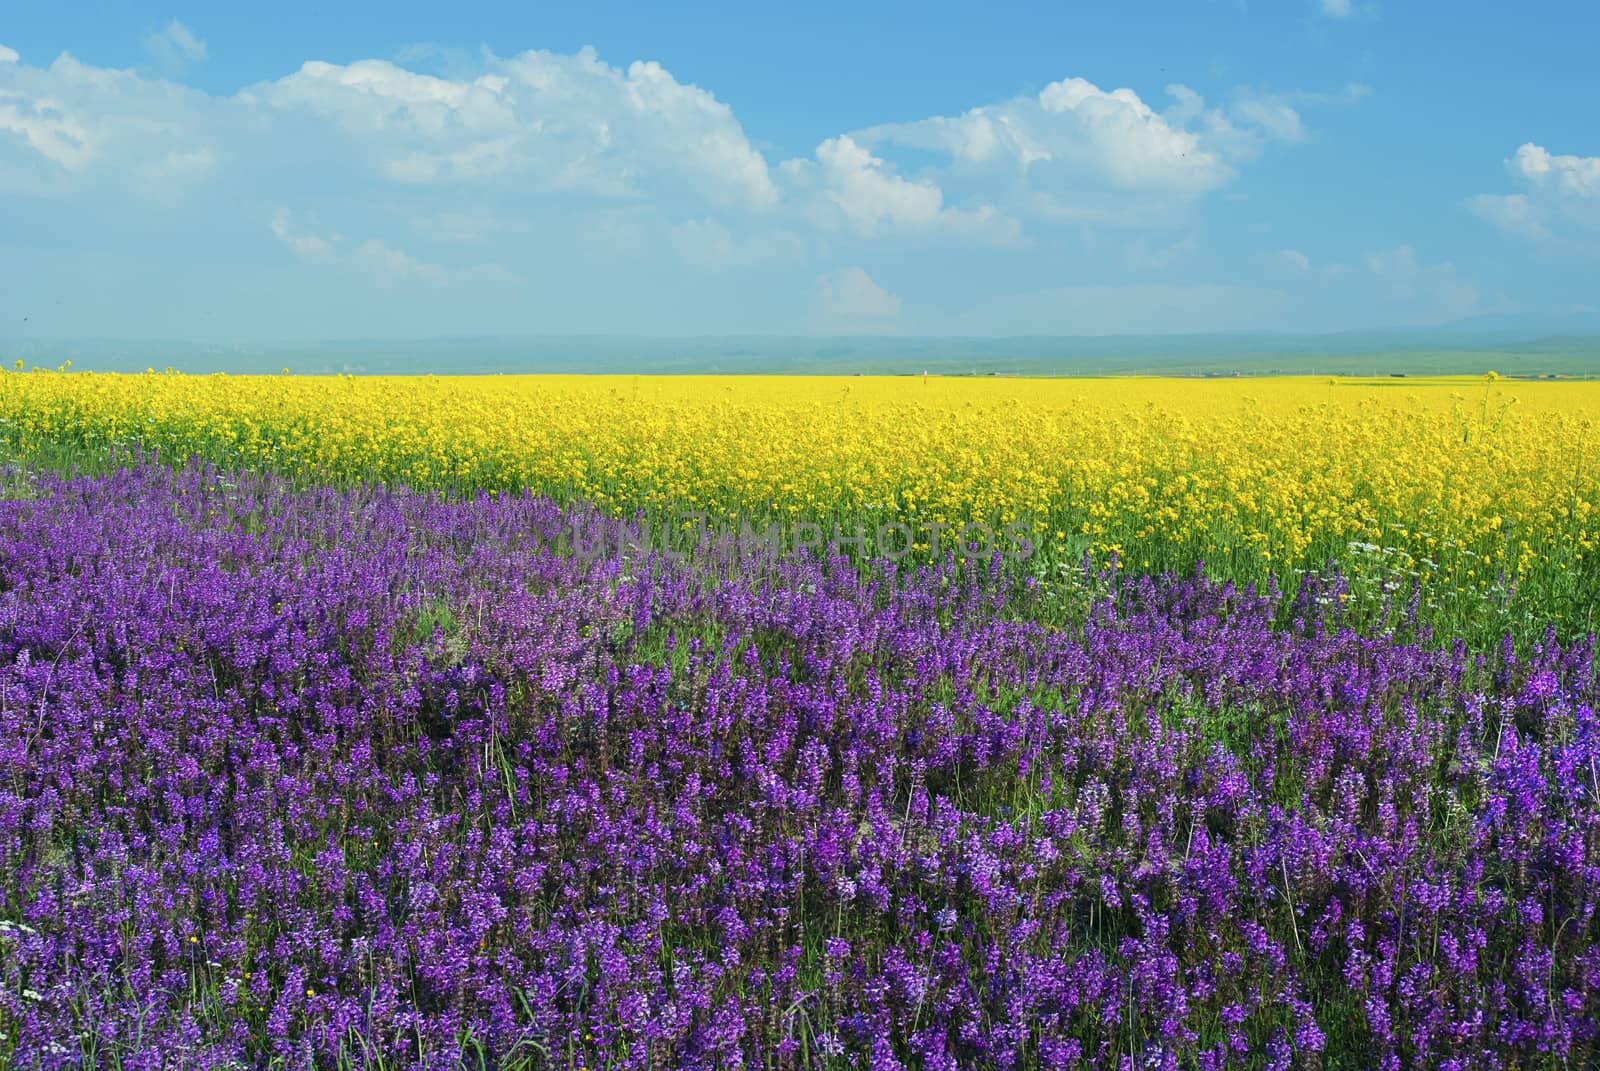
(1465, 478)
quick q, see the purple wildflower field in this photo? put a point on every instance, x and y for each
(356, 778)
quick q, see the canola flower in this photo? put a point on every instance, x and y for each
(1463, 484)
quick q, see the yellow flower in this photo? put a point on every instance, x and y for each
(1264, 473)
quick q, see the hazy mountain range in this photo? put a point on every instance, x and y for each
(1565, 344)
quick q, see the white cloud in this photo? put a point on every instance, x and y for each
(1294, 264)
(8, 55)
(1336, 9)
(540, 120)
(1294, 260)
(849, 302)
(1512, 212)
(386, 261)
(1272, 115)
(1077, 153)
(175, 46)
(846, 185)
(373, 257)
(54, 134)
(66, 127)
(375, 98)
(560, 165)
(1253, 118)
(308, 246)
(870, 194)
(1434, 290)
(543, 124)
(1578, 176)
(1560, 203)
(1072, 132)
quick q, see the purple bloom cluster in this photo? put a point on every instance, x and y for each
(357, 778)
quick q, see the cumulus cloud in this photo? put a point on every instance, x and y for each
(68, 126)
(1560, 202)
(8, 55)
(846, 185)
(175, 46)
(54, 134)
(545, 121)
(1070, 131)
(547, 161)
(849, 302)
(548, 124)
(1575, 175)
(1078, 153)
(868, 193)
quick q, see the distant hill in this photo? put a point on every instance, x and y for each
(1566, 345)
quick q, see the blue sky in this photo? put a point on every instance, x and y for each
(189, 171)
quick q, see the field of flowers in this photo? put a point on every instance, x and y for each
(328, 778)
(324, 743)
(1486, 492)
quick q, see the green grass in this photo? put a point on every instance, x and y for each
(1529, 352)
(1387, 589)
